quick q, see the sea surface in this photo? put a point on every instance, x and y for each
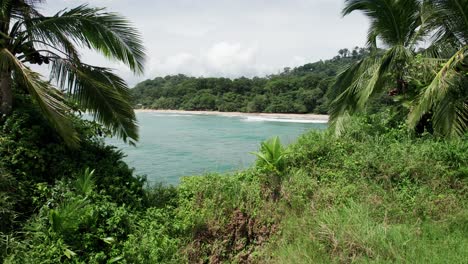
(176, 145)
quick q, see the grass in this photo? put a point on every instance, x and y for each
(374, 195)
(385, 198)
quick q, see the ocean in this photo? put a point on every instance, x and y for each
(176, 145)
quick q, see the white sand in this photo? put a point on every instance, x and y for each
(312, 118)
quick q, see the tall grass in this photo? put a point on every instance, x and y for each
(375, 195)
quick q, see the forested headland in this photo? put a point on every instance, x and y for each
(303, 89)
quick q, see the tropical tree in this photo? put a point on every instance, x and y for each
(400, 26)
(27, 37)
(447, 94)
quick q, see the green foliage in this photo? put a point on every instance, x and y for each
(156, 239)
(26, 135)
(86, 183)
(7, 202)
(241, 221)
(380, 197)
(29, 37)
(350, 233)
(439, 103)
(299, 90)
(377, 194)
(76, 229)
(38, 173)
(271, 155)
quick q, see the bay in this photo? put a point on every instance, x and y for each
(176, 145)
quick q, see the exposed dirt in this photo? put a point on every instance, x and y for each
(235, 241)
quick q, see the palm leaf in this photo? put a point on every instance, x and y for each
(394, 22)
(359, 84)
(344, 79)
(452, 19)
(338, 125)
(85, 183)
(446, 95)
(101, 93)
(48, 98)
(272, 153)
(67, 216)
(107, 33)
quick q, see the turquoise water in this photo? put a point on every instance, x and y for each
(173, 145)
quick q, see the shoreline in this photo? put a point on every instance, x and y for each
(312, 118)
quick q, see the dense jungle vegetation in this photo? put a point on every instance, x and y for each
(386, 184)
(299, 90)
(377, 194)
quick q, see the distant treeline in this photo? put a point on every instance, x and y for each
(300, 90)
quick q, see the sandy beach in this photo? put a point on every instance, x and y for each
(312, 118)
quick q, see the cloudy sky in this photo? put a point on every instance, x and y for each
(230, 38)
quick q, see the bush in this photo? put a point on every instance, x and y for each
(72, 226)
(376, 197)
(377, 194)
(36, 168)
(32, 153)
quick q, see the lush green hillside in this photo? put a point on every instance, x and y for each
(299, 90)
(375, 195)
(386, 189)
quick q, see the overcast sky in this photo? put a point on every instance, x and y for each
(230, 38)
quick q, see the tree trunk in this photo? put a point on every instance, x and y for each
(6, 93)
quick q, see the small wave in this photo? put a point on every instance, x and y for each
(286, 120)
(170, 114)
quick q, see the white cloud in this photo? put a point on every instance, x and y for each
(231, 38)
(224, 54)
(220, 59)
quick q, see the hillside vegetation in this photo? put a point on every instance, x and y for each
(375, 195)
(300, 90)
(386, 184)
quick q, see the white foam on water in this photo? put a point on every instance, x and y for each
(285, 120)
(170, 114)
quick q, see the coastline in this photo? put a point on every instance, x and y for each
(312, 118)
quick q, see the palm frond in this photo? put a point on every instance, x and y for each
(339, 124)
(452, 18)
(23, 10)
(447, 97)
(272, 154)
(358, 84)
(55, 40)
(451, 116)
(394, 22)
(67, 216)
(48, 98)
(93, 28)
(442, 47)
(101, 93)
(344, 79)
(395, 60)
(85, 183)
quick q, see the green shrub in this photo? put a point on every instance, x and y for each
(156, 240)
(32, 153)
(377, 194)
(373, 197)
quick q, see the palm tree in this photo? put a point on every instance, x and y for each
(447, 95)
(399, 25)
(28, 37)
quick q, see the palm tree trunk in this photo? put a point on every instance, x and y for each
(6, 93)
